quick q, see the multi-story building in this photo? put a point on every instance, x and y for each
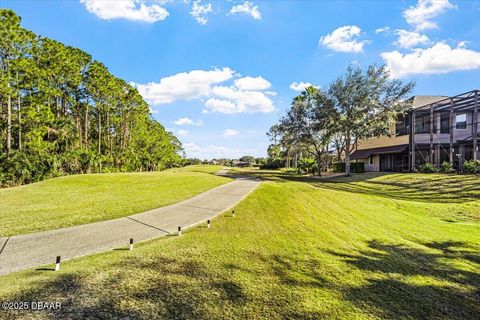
(444, 129)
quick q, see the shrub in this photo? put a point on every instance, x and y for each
(427, 168)
(272, 164)
(447, 167)
(339, 167)
(355, 167)
(472, 166)
(307, 165)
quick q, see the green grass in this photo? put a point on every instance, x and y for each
(79, 199)
(363, 247)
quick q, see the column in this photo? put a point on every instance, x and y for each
(452, 118)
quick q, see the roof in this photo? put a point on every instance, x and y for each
(365, 153)
(420, 101)
(461, 102)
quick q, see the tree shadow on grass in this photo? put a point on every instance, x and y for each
(160, 287)
(413, 187)
(445, 190)
(139, 288)
(410, 283)
(397, 282)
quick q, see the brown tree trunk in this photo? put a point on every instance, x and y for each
(9, 123)
(319, 163)
(85, 131)
(347, 155)
(64, 105)
(57, 107)
(79, 127)
(19, 123)
(109, 135)
(99, 132)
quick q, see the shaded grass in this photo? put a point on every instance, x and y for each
(79, 199)
(295, 250)
(451, 197)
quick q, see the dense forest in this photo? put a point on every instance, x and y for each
(61, 112)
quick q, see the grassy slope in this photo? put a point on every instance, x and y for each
(79, 199)
(339, 249)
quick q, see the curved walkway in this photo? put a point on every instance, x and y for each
(36, 249)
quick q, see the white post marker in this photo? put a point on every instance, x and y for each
(208, 223)
(57, 264)
(179, 231)
(131, 244)
(233, 213)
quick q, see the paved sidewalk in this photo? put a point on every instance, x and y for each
(36, 249)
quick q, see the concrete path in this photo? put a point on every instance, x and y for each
(36, 249)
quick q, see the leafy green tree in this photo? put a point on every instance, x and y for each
(62, 113)
(366, 103)
(310, 123)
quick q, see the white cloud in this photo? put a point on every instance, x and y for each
(440, 58)
(183, 132)
(409, 39)
(200, 12)
(250, 83)
(245, 95)
(270, 93)
(420, 16)
(344, 39)
(185, 121)
(247, 8)
(230, 133)
(190, 147)
(232, 100)
(135, 10)
(183, 86)
(300, 86)
(218, 105)
(383, 29)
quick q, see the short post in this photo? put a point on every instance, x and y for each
(233, 213)
(57, 264)
(179, 231)
(208, 223)
(131, 244)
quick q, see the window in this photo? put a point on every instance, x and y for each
(370, 161)
(444, 122)
(422, 124)
(461, 121)
(402, 126)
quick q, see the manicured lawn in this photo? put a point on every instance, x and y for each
(79, 199)
(365, 247)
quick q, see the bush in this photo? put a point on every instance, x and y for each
(427, 168)
(272, 164)
(307, 165)
(355, 167)
(26, 167)
(447, 167)
(472, 166)
(339, 167)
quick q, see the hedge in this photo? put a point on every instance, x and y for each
(355, 167)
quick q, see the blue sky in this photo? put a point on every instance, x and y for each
(219, 73)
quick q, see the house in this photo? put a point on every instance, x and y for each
(445, 129)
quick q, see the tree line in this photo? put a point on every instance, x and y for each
(61, 112)
(357, 105)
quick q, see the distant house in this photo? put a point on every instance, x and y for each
(444, 129)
